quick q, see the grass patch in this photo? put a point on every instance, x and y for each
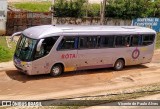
(6, 54)
(33, 6)
(158, 41)
(3, 41)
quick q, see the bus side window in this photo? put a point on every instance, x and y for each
(67, 43)
(106, 41)
(49, 42)
(136, 40)
(46, 46)
(148, 39)
(86, 42)
(122, 41)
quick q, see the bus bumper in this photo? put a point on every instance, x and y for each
(24, 67)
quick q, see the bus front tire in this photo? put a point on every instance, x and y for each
(119, 65)
(56, 70)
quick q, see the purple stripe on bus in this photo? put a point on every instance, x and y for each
(95, 66)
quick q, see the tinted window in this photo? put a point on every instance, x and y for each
(122, 41)
(148, 39)
(87, 42)
(67, 43)
(46, 47)
(106, 41)
(136, 40)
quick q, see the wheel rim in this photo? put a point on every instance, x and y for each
(119, 65)
(56, 70)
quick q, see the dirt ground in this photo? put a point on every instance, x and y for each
(152, 97)
(15, 85)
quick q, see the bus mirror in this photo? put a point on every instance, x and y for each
(15, 34)
(39, 45)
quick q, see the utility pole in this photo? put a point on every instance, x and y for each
(52, 10)
(103, 6)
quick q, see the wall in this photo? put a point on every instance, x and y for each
(3, 16)
(91, 21)
(18, 21)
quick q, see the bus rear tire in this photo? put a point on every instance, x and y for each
(119, 65)
(56, 70)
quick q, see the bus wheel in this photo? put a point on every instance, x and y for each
(119, 64)
(56, 70)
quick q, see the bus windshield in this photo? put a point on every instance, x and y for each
(25, 48)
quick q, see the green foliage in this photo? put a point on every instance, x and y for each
(156, 8)
(93, 10)
(158, 41)
(130, 9)
(72, 8)
(6, 53)
(123, 9)
(3, 41)
(76, 8)
(33, 6)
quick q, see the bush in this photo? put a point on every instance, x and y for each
(123, 9)
(130, 9)
(72, 8)
(93, 10)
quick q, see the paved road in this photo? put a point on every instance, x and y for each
(15, 85)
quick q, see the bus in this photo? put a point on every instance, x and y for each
(50, 49)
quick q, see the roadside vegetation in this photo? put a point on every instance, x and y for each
(33, 6)
(6, 53)
(158, 41)
(131, 9)
(123, 9)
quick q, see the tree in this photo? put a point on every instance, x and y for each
(130, 9)
(103, 11)
(72, 8)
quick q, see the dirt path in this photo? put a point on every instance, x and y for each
(6, 66)
(15, 85)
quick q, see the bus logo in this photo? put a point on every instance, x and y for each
(68, 56)
(135, 54)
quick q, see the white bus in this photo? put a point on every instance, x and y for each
(56, 49)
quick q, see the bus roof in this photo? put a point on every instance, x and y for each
(38, 32)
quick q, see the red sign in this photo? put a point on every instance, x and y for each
(68, 56)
